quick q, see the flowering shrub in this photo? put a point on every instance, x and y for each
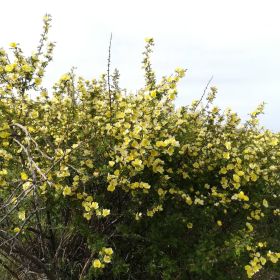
(99, 184)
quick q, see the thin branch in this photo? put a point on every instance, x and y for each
(204, 92)
(108, 73)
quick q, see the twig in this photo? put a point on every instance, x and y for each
(108, 74)
(204, 92)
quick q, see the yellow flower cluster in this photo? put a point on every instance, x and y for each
(258, 261)
(255, 265)
(105, 257)
(92, 207)
(151, 212)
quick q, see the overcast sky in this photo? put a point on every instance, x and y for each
(237, 42)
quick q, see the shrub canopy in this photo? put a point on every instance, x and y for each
(96, 183)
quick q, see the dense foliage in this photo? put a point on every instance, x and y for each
(96, 183)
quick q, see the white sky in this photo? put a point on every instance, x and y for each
(237, 42)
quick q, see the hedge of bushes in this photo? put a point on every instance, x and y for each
(96, 183)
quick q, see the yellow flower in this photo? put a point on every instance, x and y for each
(26, 185)
(107, 259)
(172, 94)
(254, 177)
(4, 134)
(46, 18)
(153, 93)
(111, 188)
(226, 155)
(272, 257)
(263, 260)
(108, 251)
(79, 196)
(196, 165)
(215, 110)
(16, 229)
(159, 144)
(188, 200)
(137, 162)
(219, 223)
(87, 215)
(230, 166)
(67, 191)
(274, 142)
(95, 205)
(65, 77)
(10, 68)
(105, 212)
(76, 178)
(26, 68)
(249, 271)
(21, 215)
(23, 176)
(13, 45)
(236, 178)
(86, 205)
(89, 163)
(189, 225)
(265, 203)
(158, 169)
(117, 172)
(242, 196)
(144, 185)
(161, 192)
(34, 114)
(138, 216)
(120, 115)
(38, 81)
(149, 40)
(89, 198)
(240, 173)
(228, 145)
(180, 71)
(150, 213)
(198, 201)
(250, 227)
(223, 170)
(96, 263)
